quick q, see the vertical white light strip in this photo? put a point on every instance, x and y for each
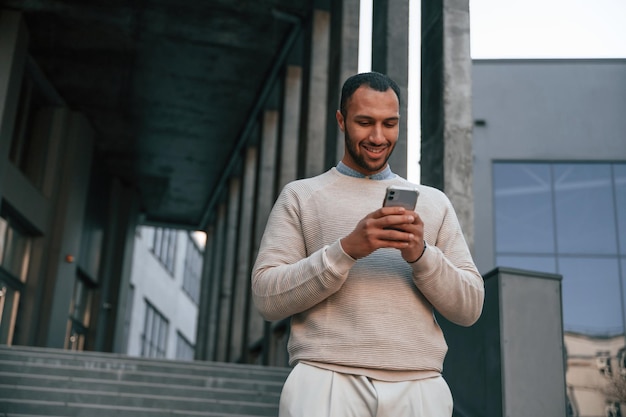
(414, 131)
(366, 8)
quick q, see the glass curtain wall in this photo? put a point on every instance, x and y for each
(570, 219)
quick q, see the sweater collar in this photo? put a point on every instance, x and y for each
(385, 174)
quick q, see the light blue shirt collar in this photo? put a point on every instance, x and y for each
(385, 174)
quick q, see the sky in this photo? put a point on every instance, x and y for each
(548, 29)
(516, 29)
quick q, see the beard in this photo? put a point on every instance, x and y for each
(360, 160)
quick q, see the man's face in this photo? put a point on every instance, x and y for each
(371, 128)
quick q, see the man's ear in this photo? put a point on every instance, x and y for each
(340, 121)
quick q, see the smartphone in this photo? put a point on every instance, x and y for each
(401, 196)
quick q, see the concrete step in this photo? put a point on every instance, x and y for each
(116, 362)
(36, 382)
(139, 377)
(123, 400)
(39, 408)
(236, 391)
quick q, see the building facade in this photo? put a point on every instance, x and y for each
(550, 196)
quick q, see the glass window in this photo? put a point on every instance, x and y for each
(154, 338)
(588, 219)
(591, 295)
(164, 247)
(184, 348)
(619, 178)
(80, 313)
(130, 301)
(156, 243)
(14, 249)
(584, 209)
(523, 208)
(9, 301)
(193, 271)
(623, 271)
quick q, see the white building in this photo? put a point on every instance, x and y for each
(164, 294)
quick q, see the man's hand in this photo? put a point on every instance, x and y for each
(387, 227)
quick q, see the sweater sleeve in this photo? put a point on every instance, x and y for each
(286, 279)
(446, 274)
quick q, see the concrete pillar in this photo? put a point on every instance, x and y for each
(312, 159)
(344, 62)
(514, 355)
(225, 325)
(241, 300)
(116, 268)
(390, 55)
(202, 340)
(13, 47)
(446, 161)
(215, 281)
(265, 197)
(67, 225)
(290, 126)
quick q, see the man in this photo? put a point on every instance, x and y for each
(360, 281)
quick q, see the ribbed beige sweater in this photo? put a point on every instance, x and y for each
(376, 312)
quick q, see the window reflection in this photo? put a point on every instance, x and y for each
(591, 300)
(584, 209)
(523, 207)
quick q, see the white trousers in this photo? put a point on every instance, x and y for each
(314, 392)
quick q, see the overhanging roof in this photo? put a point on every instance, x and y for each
(168, 85)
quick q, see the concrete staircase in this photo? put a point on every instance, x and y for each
(55, 383)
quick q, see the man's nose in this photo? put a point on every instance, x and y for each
(376, 134)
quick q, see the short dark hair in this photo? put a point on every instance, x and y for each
(374, 80)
